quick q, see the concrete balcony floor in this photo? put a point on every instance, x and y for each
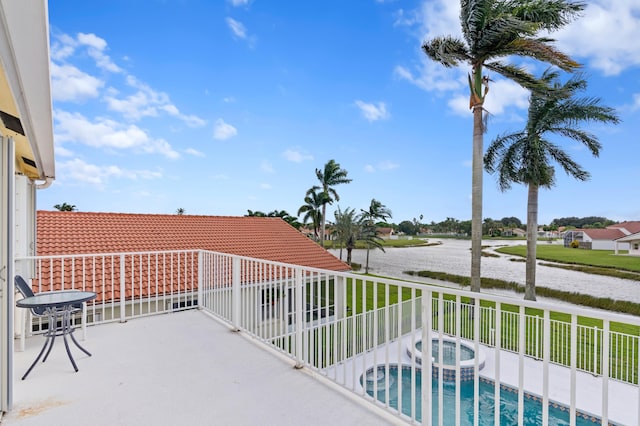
(180, 368)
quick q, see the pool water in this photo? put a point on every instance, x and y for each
(508, 401)
(449, 351)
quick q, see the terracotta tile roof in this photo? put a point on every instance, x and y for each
(259, 237)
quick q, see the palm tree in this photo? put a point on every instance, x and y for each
(179, 211)
(526, 156)
(376, 211)
(369, 235)
(493, 30)
(64, 207)
(312, 209)
(347, 230)
(330, 176)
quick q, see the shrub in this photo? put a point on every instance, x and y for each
(575, 244)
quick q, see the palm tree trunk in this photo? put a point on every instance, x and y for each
(532, 240)
(476, 198)
(366, 268)
(349, 256)
(324, 210)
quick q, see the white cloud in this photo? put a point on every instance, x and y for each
(96, 47)
(194, 152)
(383, 166)
(81, 171)
(636, 101)
(371, 111)
(228, 99)
(68, 83)
(296, 156)
(237, 28)
(222, 130)
(146, 102)
(266, 166)
(431, 76)
(62, 47)
(606, 35)
(438, 18)
(265, 186)
(388, 165)
(503, 96)
(238, 3)
(105, 133)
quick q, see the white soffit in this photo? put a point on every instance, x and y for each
(24, 58)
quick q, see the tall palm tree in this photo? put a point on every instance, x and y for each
(376, 211)
(493, 30)
(312, 209)
(347, 230)
(526, 156)
(330, 176)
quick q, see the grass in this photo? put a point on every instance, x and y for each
(608, 304)
(595, 258)
(623, 355)
(400, 242)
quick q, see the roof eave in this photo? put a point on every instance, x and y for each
(24, 57)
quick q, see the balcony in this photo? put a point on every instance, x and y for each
(164, 350)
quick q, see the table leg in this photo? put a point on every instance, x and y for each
(46, 342)
(51, 334)
(78, 344)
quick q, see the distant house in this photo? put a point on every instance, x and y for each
(386, 233)
(609, 238)
(634, 243)
(513, 232)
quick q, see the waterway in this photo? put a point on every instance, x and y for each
(454, 257)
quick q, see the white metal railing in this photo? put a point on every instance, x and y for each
(350, 328)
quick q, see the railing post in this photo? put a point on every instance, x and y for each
(604, 365)
(123, 293)
(200, 279)
(427, 364)
(235, 294)
(339, 297)
(299, 307)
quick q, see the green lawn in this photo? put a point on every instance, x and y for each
(400, 242)
(557, 253)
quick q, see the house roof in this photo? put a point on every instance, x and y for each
(632, 227)
(603, 234)
(259, 237)
(629, 238)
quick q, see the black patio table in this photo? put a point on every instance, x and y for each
(58, 305)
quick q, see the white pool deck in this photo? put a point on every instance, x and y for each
(187, 368)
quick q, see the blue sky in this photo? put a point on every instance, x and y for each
(217, 107)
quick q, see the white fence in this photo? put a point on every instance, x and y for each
(350, 328)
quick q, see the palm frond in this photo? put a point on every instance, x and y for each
(549, 14)
(540, 49)
(517, 74)
(448, 51)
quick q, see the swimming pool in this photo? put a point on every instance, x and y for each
(467, 357)
(558, 415)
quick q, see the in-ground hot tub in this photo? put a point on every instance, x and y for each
(467, 357)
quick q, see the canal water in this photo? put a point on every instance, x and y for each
(454, 257)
